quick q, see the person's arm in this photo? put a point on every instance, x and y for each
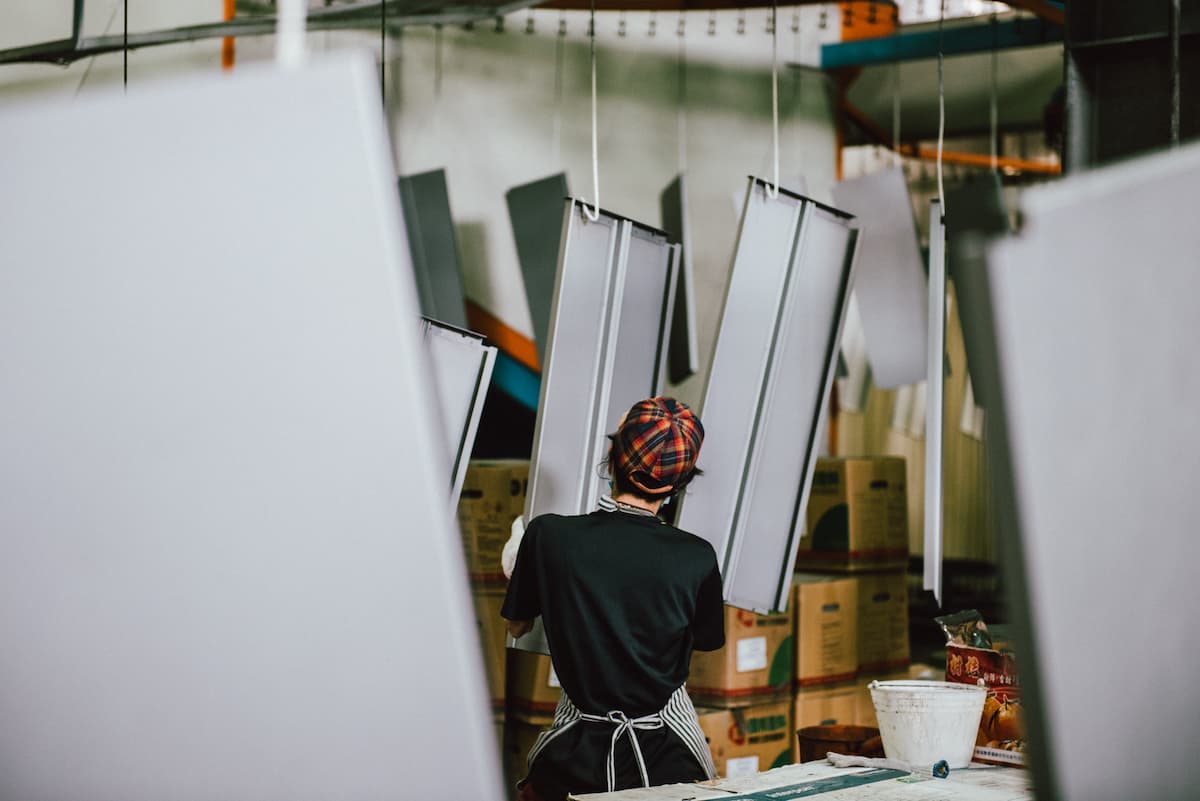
(522, 601)
(708, 624)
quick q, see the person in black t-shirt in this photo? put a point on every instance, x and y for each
(624, 599)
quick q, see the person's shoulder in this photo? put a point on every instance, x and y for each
(551, 523)
(693, 542)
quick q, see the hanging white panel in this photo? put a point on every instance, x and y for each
(890, 287)
(1096, 332)
(462, 367)
(935, 383)
(765, 402)
(217, 452)
(609, 328)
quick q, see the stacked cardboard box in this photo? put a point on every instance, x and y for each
(853, 589)
(748, 739)
(857, 516)
(756, 662)
(493, 495)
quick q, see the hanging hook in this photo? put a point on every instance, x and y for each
(621, 24)
(529, 29)
(712, 23)
(741, 23)
(653, 29)
(773, 190)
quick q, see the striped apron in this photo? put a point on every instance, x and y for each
(678, 715)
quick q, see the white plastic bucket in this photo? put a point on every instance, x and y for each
(922, 722)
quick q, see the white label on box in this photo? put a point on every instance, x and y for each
(751, 654)
(742, 766)
(553, 682)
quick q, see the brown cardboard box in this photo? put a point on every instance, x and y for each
(749, 739)
(488, 599)
(882, 622)
(756, 661)
(493, 495)
(825, 609)
(857, 516)
(531, 687)
(864, 707)
(826, 706)
(1001, 738)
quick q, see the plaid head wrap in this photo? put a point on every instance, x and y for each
(656, 445)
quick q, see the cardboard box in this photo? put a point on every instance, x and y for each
(825, 610)
(1001, 738)
(488, 599)
(531, 687)
(864, 707)
(748, 739)
(883, 622)
(493, 495)
(857, 516)
(826, 706)
(756, 661)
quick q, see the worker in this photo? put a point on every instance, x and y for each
(624, 600)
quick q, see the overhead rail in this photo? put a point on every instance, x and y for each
(956, 41)
(354, 16)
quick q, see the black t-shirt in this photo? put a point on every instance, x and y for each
(624, 600)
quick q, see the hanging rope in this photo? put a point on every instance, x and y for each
(681, 111)
(1175, 100)
(995, 102)
(594, 215)
(559, 54)
(125, 51)
(383, 53)
(941, 110)
(773, 190)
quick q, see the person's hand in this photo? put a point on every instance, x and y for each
(508, 556)
(519, 628)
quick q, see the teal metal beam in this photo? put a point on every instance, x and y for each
(955, 41)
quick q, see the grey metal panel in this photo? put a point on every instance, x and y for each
(609, 326)
(216, 550)
(535, 210)
(890, 285)
(764, 405)
(974, 211)
(434, 246)
(1095, 310)
(462, 368)
(684, 357)
(935, 384)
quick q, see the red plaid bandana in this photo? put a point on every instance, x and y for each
(657, 445)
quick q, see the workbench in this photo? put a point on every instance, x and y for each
(820, 779)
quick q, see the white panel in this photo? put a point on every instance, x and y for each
(765, 401)
(1096, 325)
(935, 384)
(890, 286)
(217, 554)
(609, 325)
(462, 367)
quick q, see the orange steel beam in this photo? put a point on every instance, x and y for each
(227, 43)
(1047, 11)
(948, 156)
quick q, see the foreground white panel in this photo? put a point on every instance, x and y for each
(1095, 312)
(221, 575)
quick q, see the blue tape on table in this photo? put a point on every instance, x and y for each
(821, 786)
